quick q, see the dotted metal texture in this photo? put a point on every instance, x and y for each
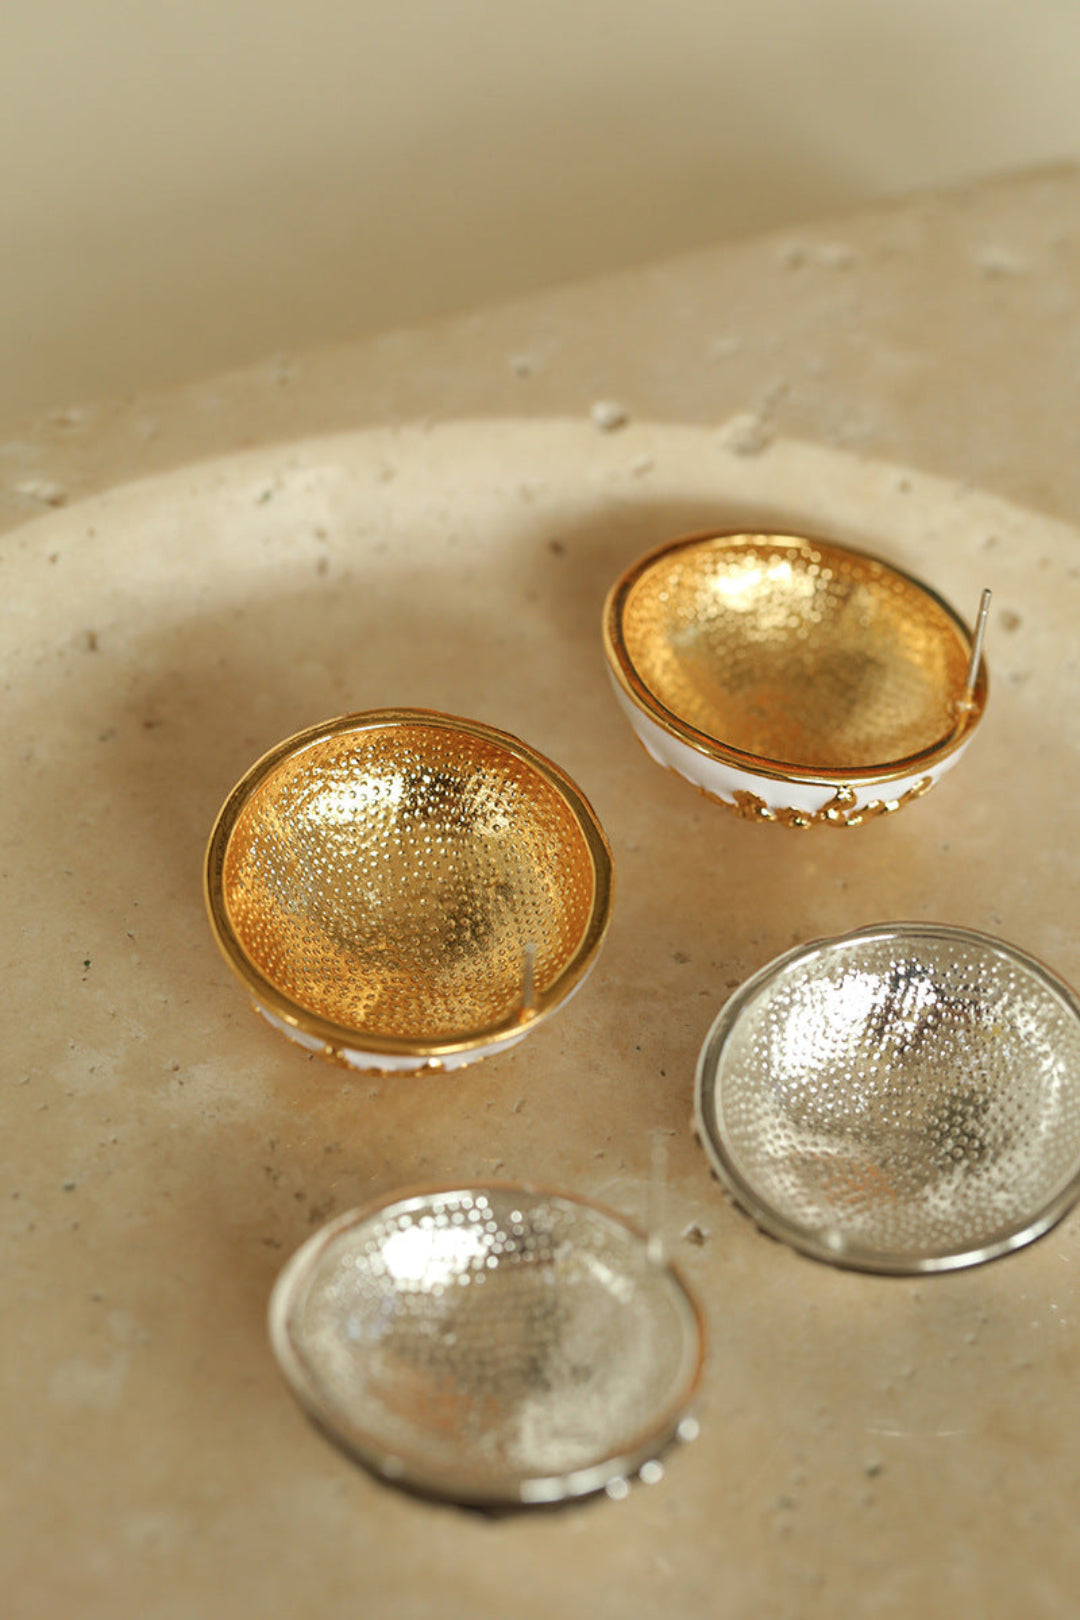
(794, 651)
(392, 878)
(479, 1343)
(898, 1097)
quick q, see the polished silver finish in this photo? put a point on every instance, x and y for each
(977, 646)
(903, 1099)
(495, 1345)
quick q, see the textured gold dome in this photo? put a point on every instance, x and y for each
(407, 882)
(795, 656)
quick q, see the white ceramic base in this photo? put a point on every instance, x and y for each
(387, 1062)
(767, 798)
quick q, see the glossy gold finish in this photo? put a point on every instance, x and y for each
(793, 658)
(407, 883)
(842, 810)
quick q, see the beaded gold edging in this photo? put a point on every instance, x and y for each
(842, 810)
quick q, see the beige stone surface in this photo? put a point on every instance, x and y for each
(433, 518)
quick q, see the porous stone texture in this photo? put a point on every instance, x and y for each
(421, 520)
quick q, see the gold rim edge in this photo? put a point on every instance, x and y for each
(337, 1038)
(622, 667)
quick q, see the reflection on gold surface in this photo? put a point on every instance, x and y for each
(393, 879)
(842, 810)
(792, 651)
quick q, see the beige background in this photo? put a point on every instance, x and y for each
(191, 185)
(373, 524)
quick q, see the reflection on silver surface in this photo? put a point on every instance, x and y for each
(906, 1098)
(494, 1345)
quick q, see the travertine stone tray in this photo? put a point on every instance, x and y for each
(866, 1443)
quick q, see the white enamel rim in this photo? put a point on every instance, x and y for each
(722, 780)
